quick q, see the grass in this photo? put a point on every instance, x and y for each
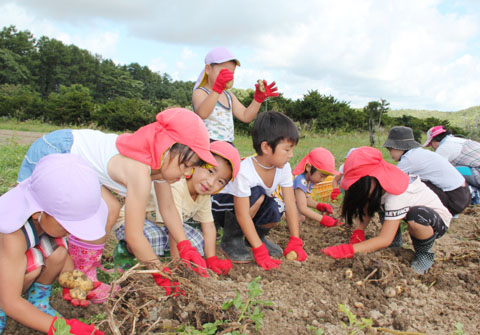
(11, 157)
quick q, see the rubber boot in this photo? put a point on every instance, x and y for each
(86, 258)
(423, 256)
(39, 296)
(3, 321)
(273, 249)
(233, 243)
(397, 240)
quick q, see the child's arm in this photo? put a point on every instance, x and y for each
(304, 203)
(295, 243)
(210, 238)
(203, 103)
(245, 114)
(242, 213)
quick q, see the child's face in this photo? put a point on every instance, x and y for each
(283, 153)
(172, 171)
(213, 70)
(213, 179)
(396, 154)
(316, 177)
(51, 226)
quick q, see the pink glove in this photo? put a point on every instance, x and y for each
(335, 193)
(76, 327)
(296, 244)
(190, 255)
(219, 266)
(270, 91)
(357, 236)
(263, 258)
(324, 208)
(169, 286)
(339, 251)
(75, 302)
(328, 221)
(224, 76)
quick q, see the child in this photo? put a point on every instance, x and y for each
(192, 198)
(434, 170)
(312, 169)
(62, 196)
(373, 185)
(163, 151)
(274, 136)
(215, 105)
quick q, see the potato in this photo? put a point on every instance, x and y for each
(292, 255)
(65, 279)
(229, 85)
(78, 293)
(348, 273)
(261, 85)
(75, 279)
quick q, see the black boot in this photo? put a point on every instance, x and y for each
(273, 249)
(233, 243)
(423, 256)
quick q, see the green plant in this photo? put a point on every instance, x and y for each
(458, 329)
(354, 325)
(207, 329)
(317, 331)
(61, 327)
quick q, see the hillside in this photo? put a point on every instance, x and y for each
(463, 118)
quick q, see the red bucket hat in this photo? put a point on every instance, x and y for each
(368, 161)
(321, 159)
(229, 152)
(175, 125)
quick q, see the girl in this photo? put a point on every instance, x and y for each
(192, 199)
(163, 151)
(373, 185)
(215, 105)
(61, 196)
(312, 169)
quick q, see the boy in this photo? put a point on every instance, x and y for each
(274, 136)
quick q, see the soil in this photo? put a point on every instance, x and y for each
(18, 136)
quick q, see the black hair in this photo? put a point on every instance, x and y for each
(441, 136)
(226, 160)
(273, 127)
(359, 202)
(185, 154)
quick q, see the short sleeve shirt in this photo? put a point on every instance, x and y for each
(301, 182)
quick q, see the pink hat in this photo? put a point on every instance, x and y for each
(229, 152)
(321, 159)
(65, 187)
(368, 161)
(215, 56)
(175, 125)
(431, 133)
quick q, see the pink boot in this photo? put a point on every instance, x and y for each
(86, 258)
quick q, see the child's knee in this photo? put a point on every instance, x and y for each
(58, 256)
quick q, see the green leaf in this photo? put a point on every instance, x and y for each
(61, 327)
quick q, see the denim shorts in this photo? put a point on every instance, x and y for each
(56, 142)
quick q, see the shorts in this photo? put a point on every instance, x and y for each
(36, 256)
(455, 200)
(159, 239)
(56, 142)
(426, 216)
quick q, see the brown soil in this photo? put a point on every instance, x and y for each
(20, 137)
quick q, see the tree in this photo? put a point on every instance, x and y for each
(72, 105)
(374, 112)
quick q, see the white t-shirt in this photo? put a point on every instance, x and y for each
(417, 194)
(430, 166)
(248, 178)
(450, 147)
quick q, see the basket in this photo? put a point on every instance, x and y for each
(321, 191)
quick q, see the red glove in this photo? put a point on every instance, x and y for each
(169, 286)
(263, 258)
(190, 255)
(335, 193)
(83, 303)
(339, 251)
(296, 244)
(76, 327)
(357, 236)
(219, 266)
(270, 91)
(328, 221)
(324, 208)
(224, 76)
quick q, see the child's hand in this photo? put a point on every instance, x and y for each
(76, 327)
(339, 251)
(296, 244)
(263, 258)
(357, 236)
(328, 221)
(76, 302)
(335, 193)
(219, 266)
(190, 255)
(169, 286)
(324, 208)
(270, 91)
(224, 76)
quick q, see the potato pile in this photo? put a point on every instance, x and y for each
(78, 283)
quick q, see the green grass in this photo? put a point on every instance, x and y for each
(462, 118)
(11, 156)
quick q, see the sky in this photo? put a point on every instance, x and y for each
(417, 54)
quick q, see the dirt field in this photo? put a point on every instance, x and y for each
(20, 137)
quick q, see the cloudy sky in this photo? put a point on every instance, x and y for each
(421, 54)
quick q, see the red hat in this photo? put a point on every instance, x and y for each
(175, 125)
(229, 152)
(368, 161)
(431, 133)
(321, 159)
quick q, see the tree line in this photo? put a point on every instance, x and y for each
(47, 80)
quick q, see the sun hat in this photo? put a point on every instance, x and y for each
(401, 138)
(175, 125)
(431, 133)
(63, 186)
(229, 152)
(321, 159)
(215, 56)
(368, 161)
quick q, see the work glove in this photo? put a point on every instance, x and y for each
(219, 266)
(263, 258)
(76, 302)
(339, 251)
(76, 327)
(270, 91)
(224, 76)
(324, 208)
(168, 285)
(357, 236)
(190, 255)
(335, 193)
(328, 221)
(296, 244)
